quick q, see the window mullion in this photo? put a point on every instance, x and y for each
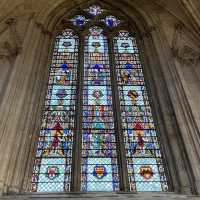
(76, 165)
(123, 171)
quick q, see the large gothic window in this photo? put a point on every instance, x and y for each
(97, 132)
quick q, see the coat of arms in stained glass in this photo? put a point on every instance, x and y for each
(144, 162)
(52, 168)
(99, 158)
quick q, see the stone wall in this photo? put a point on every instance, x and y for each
(169, 38)
(104, 196)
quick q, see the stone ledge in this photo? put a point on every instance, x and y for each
(101, 196)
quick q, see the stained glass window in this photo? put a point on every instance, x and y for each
(99, 158)
(79, 20)
(106, 64)
(94, 10)
(111, 21)
(144, 161)
(53, 163)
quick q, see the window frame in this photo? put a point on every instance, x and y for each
(110, 33)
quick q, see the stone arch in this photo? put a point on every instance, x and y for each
(40, 30)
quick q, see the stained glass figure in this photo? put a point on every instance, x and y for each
(111, 21)
(94, 10)
(99, 168)
(52, 168)
(79, 20)
(144, 160)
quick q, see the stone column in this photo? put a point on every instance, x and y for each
(191, 7)
(5, 70)
(163, 112)
(9, 49)
(18, 109)
(190, 107)
(188, 159)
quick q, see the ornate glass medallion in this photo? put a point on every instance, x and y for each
(79, 20)
(94, 10)
(111, 21)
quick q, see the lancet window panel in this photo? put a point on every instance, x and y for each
(112, 75)
(144, 160)
(53, 162)
(99, 156)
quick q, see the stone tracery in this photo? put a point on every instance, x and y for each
(48, 16)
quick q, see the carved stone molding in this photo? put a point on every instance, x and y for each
(147, 33)
(12, 22)
(178, 29)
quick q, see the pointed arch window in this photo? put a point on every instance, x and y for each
(97, 132)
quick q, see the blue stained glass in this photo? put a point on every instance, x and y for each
(111, 21)
(99, 164)
(52, 168)
(64, 66)
(99, 171)
(98, 67)
(79, 20)
(128, 66)
(144, 161)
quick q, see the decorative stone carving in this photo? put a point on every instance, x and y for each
(10, 49)
(176, 41)
(189, 55)
(183, 52)
(12, 23)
